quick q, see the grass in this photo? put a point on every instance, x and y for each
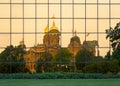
(60, 82)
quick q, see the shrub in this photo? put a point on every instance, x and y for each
(104, 67)
(60, 76)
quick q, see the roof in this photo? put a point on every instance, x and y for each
(75, 38)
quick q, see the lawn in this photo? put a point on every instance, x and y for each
(60, 82)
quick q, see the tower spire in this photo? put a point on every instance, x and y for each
(53, 17)
(53, 25)
(74, 32)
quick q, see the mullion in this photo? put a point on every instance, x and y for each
(62, 18)
(10, 34)
(60, 34)
(109, 24)
(66, 3)
(98, 27)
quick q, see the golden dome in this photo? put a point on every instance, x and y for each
(53, 27)
(46, 29)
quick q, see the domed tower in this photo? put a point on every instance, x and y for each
(75, 45)
(51, 38)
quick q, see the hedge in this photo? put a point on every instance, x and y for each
(59, 76)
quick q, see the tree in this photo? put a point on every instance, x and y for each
(44, 63)
(103, 67)
(83, 58)
(10, 61)
(62, 59)
(5, 59)
(116, 55)
(114, 36)
(108, 56)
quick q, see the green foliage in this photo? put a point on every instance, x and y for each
(60, 76)
(114, 36)
(44, 63)
(108, 56)
(116, 55)
(102, 67)
(97, 59)
(83, 58)
(63, 57)
(11, 60)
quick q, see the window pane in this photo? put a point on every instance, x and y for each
(115, 1)
(66, 39)
(4, 40)
(66, 1)
(114, 11)
(42, 1)
(29, 11)
(41, 13)
(79, 1)
(17, 25)
(29, 40)
(16, 38)
(5, 10)
(79, 11)
(17, 1)
(91, 25)
(79, 25)
(4, 1)
(103, 25)
(102, 41)
(91, 11)
(114, 22)
(17, 11)
(4, 25)
(54, 10)
(40, 38)
(67, 8)
(29, 25)
(29, 1)
(103, 1)
(67, 25)
(91, 1)
(41, 24)
(103, 11)
(54, 1)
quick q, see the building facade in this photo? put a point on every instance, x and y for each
(51, 44)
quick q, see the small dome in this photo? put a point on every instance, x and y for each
(75, 38)
(46, 29)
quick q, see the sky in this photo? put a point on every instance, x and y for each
(64, 20)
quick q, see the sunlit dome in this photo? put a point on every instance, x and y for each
(53, 27)
(75, 38)
(46, 29)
